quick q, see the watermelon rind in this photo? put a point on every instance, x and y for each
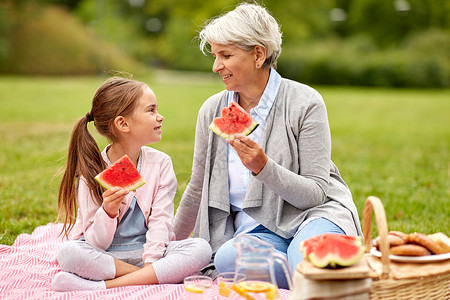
(246, 131)
(131, 172)
(333, 260)
(333, 250)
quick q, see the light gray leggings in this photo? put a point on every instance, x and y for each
(181, 259)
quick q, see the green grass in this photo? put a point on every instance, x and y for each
(392, 143)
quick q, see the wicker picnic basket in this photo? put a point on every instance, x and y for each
(385, 286)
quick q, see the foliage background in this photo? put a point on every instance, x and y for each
(352, 42)
(388, 142)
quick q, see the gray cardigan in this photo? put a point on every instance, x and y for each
(299, 180)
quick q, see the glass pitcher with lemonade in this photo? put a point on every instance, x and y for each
(255, 261)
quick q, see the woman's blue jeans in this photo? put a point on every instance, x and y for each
(225, 257)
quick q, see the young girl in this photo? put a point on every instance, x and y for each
(120, 237)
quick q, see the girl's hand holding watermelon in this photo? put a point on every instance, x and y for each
(112, 199)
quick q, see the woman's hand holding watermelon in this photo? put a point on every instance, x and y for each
(112, 199)
(251, 153)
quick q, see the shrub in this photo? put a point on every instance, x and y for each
(49, 41)
(422, 61)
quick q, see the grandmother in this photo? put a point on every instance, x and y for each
(278, 183)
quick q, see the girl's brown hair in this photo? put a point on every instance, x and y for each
(116, 97)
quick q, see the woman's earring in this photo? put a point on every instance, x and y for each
(257, 66)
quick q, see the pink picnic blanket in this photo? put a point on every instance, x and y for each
(28, 266)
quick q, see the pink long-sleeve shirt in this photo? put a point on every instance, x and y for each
(155, 199)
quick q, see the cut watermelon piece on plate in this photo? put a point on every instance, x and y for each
(333, 250)
(234, 120)
(122, 173)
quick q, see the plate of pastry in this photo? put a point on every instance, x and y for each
(415, 247)
(413, 259)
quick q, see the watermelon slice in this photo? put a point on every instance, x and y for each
(234, 120)
(333, 250)
(122, 173)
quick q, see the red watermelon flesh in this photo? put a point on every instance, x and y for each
(122, 173)
(333, 250)
(307, 246)
(234, 120)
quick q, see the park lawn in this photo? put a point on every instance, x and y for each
(392, 143)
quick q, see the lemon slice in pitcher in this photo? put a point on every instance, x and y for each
(255, 286)
(243, 293)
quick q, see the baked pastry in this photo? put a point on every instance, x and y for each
(409, 250)
(393, 240)
(425, 241)
(399, 234)
(441, 240)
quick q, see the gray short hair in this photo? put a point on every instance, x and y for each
(247, 26)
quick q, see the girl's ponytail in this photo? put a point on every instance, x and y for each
(84, 160)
